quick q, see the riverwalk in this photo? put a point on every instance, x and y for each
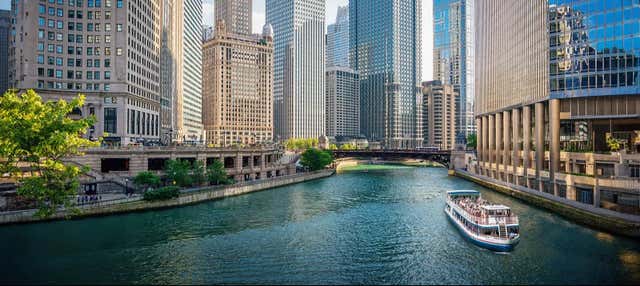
(599, 218)
(187, 196)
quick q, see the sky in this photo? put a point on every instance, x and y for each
(331, 11)
(332, 7)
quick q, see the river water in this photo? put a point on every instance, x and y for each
(381, 226)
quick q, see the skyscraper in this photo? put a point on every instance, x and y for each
(299, 87)
(109, 51)
(343, 102)
(338, 40)
(236, 15)
(557, 82)
(181, 71)
(5, 28)
(439, 117)
(237, 89)
(453, 55)
(385, 49)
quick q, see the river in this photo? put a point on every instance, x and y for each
(383, 226)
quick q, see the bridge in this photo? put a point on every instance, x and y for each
(443, 157)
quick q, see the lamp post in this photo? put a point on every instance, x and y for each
(126, 186)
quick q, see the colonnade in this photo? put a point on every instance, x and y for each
(505, 149)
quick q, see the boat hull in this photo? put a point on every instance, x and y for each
(493, 246)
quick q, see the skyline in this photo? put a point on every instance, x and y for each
(332, 8)
(331, 11)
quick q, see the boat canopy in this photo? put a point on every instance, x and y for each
(495, 207)
(463, 193)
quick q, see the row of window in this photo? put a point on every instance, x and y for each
(90, 3)
(57, 73)
(71, 50)
(142, 123)
(73, 86)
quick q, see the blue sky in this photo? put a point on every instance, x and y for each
(332, 7)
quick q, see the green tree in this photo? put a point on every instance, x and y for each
(316, 159)
(348, 147)
(198, 172)
(333, 147)
(297, 144)
(40, 134)
(472, 141)
(177, 171)
(146, 179)
(216, 173)
(613, 143)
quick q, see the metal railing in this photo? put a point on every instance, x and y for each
(511, 219)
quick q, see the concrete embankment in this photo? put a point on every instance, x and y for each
(584, 214)
(186, 197)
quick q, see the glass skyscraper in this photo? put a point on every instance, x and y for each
(558, 98)
(338, 40)
(453, 55)
(385, 49)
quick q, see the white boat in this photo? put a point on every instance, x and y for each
(487, 225)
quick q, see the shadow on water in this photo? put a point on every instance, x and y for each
(382, 226)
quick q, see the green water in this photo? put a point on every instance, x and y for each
(376, 227)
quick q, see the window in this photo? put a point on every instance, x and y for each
(119, 51)
(107, 63)
(107, 75)
(40, 46)
(110, 120)
(119, 3)
(41, 21)
(119, 27)
(41, 59)
(41, 9)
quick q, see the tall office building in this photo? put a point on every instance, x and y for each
(237, 90)
(5, 30)
(453, 55)
(385, 49)
(236, 15)
(107, 50)
(343, 102)
(438, 115)
(299, 87)
(338, 40)
(560, 76)
(181, 71)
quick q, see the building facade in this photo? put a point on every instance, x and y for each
(385, 49)
(107, 50)
(236, 15)
(181, 71)
(438, 115)
(557, 99)
(338, 40)
(343, 102)
(237, 90)
(299, 67)
(5, 31)
(453, 55)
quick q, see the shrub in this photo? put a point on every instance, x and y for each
(164, 193)
(315, 159)
(146, 179)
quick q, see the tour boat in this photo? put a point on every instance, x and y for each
(487, 225)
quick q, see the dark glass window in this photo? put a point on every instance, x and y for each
(110, 120)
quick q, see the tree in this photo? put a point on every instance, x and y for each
(216, 173)
(316, 159)
(613, 143)
(40, 134)
(177, 171)
(333, 147)
(146, 179)
(348, 147)
(472, 141)
(198, 172)
(297, 144)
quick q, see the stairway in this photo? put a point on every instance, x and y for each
(502, 231)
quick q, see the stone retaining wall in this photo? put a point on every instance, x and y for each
(617, 224)
(186, 198)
